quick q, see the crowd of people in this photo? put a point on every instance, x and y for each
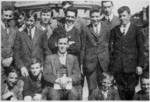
(40, 61)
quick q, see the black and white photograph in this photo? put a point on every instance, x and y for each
(79, 50)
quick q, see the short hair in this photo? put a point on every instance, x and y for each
(35, 60)
(62, 34)
(46, 9)
(11, 70)
(107, 1)
(7, 8)
(145, 75)
(72, 9)
(67, 2)
(107, 75)
(30, 14)
(124, 8)
(95, 10)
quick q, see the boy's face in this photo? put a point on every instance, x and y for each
(21, 19)
(45, 17)
(145, 84)
(30, 22)
(36, 69)
(124, 17)
(62, 45)
(70, 18)
(12, 79)
(106, 83)
(7, 15)
(95, 18)
(108, 7)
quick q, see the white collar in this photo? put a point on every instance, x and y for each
(2, 24)
(62, 55)
(99, 24)
(68, 28)
(127, 25)
(110, 16)
(31, 29)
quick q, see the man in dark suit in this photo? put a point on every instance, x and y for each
(60, 69)
(109, 17)
(94, 50)
(29, 43)
(126, 47)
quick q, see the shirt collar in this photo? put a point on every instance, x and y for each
(110, 17)
(62, 55)
(32, 29)
(126, 26)
(96, 25)
(71, 26)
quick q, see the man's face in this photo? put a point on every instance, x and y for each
(36, 69)
(12, 79)
(106, 83)
(107, 7)
(30, 22)
(62, 45)
(21, 20)
(95, 18)
(145, 84)
(70, 18)
(45, 17)
(7, 15)
(124, 17)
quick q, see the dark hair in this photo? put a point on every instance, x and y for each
(107, 75)
(124, 8)
(94, 10)
(31, 14)
(22, 13)
(66, 2)
(7, 8)
(35, 60)
(61, 35)
(145, 75)
(46, 9)
(107, 1)
(72, 9)
(11, 70)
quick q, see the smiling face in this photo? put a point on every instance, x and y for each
(30, 22)
(106, 84)
(45, 17)
(145, 84)
(70, 18)
(107, 7)
(124, 17)
(7, 15)
(62, 45)
(95, 17)
(36, 69)
(12, 79)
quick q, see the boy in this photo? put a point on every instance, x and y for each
(58, 64)
(143, 94)
(34, 83)
(105, 91)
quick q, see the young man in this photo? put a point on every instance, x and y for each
(105, 90)
(94, 50)
(70, 30)
(143, 94)
(66, 64)
(109, 17)
(8, 35)
(126, 47)
(29, 43)
(34, 83)
(45, 24)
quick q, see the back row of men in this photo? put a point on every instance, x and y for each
(110, 52)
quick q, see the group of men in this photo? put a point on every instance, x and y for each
(53, 61)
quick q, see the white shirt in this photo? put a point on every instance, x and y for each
(122, 28)
(110, 17)
(62, 58)
(32, 32)
(68, 28)
(98, 27)
(105, 93)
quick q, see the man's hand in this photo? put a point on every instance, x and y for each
(7, 95)
(24, 72)
(7, 62)
(37, 97)
(139, 70)
(71, 42)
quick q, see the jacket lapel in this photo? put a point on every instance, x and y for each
(101, 30)
(92, 30)
(27, 39)
(35, 37)
(68, 59)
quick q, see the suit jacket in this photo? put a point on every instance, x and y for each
(141, 95)
(97, 95)
(33, 86)
(17, 90)
(114, 22)
(95, 48)
(126, 50)
(52, 66)
(7, 42)
(73, 35)
(25, 49)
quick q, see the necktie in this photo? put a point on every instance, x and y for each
(29, 33)
(124, 30)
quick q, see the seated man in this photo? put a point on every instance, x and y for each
(106, 91)
(143, 94)
(62, 71)
(11, 88)
(34, 83)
